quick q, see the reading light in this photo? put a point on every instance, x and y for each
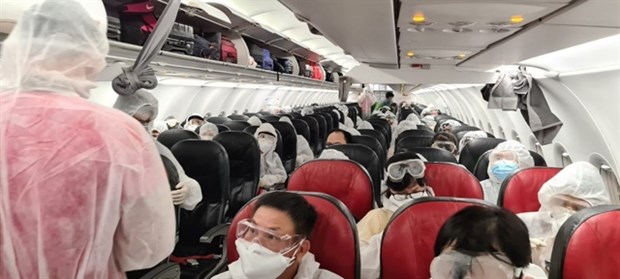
(515, 19)
(410, 53)
(418, 18)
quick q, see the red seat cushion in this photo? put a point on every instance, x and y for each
(588, 248)
(345, 180)
(409, 238)
(334, 241)
(519, 193)
(452, 180)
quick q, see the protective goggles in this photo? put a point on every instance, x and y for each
(266, 237)
(447, 145)
(414, 167)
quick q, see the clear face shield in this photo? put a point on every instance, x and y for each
(268, 238)
(396, 171)
(454, 264)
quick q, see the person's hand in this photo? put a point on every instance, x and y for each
(179, 195)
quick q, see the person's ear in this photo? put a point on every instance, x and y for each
(304, 248)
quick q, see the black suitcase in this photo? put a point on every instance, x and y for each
(181, 39)
(114, 23)
(208, 45)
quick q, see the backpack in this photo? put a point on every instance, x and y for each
(207, 46)
(181, 39)
(267, 61)
(316, 72)
(137, 22)
(228, 51)
(287, 65)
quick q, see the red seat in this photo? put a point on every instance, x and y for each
(519, 192)
(587, 245)
(334, 241)
(409, 238)
(345, 180)
(452, 180)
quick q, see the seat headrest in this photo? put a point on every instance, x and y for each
(236, 125)
(452, 180)
(377, 135)
(591, 229)
(461, 134)
(288, 137)
(302, 128)
(467, 128)
(171, 137)
(405, 144)
(239, 117)
(367, 158)
(475, 149)
(218, 119)
(334, 230)
(222, 128)
(431, 154)
(519, 192)
(345, 180)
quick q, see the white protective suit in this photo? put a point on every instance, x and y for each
(192, 127)
(308, 269)
(492, 185)
(429, 121)
(306, 111)
(413, 117)
(403, 126)
(365, 125)
(578, 180)
(304, 153)
(333, 154)
(83, 190)
(143, 102)
(208, 131)
(469, 136)
(255, 121)
(271, 169)
(159, 126)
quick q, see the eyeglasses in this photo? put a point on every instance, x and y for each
(266, 237)
(396, 171)
(447, 145)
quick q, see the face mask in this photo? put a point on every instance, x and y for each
(259, 262)
(503, 169)
(265, 145)
(397, 200)
(191, 127)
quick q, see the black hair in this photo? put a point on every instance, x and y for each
(479, 230)
(389, 94)
(347, 136)
(295, 206)
(445, 136)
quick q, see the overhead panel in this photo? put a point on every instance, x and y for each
(363, 28)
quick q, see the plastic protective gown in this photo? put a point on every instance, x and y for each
(208, 131)
(308, 269)
(144, 105)
(578, 180)
(365, 125)
(83, 191)
(304, 153)
(492, 185)
(271, 169)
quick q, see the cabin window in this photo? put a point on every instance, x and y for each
(609, 177)
(561, 155)
(536, 146)
(515, 136)
(502, 135)
(480, 124)
(490, 131)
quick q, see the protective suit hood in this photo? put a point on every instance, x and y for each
(580, 180)
(142, 101)
(255, 121)
(525, 160)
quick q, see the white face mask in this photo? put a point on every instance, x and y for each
(265, 145)
(191, 127)
(397, 200)
(258, 262)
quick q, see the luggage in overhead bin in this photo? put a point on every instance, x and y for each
(257, 53)
(207, 45)
(317, 73)
(228, 51)
(137, 22)
(305, 69)
(267, 60)
(114, 23)
(287, 65)
(181, 39)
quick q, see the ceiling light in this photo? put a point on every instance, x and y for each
(461, 56)
(418, 18)
(410, 53)
(516, 19)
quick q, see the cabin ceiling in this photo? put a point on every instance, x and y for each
(459, 39)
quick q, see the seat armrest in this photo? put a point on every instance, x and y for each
(219, 230)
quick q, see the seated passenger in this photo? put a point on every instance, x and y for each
(208, 131)
(255, 121)
(274, 242)
(577, 186)
(338, 136)
(469, 136)
(446, 141)
(307, 111)
(272, 171)
(364, 125)
(194, 121)
(429, 121)
(158, 128)
(84, 193)
(483, 242)
(332, 154)
(507, 158)
(413, 117)
(405, 182)
(449, 124)
(143, 106)
(304, 153)
(404, 125)
(172, 122)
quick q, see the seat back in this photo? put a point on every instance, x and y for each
(322, 131)
(474, 150)
(237, 125)
(519, 192)
(459, 135)
(244, 165)
(425, 128)
(405, 143)
(302, 128)
(239, 117)
(431, 154)
(466, 128)
(218, 119)
(315, 139)
(480, 171)
(329, 121)
(591, 230)
(336, 117)
(382, 126)
(411, 233)
(373, 144)
(289, 144)
(334, 241)
(270, 118)
(279, 145)
(171, 137)
(345, 180)
(222, 128)
(368, 159)
(452, 180)
(415, 133)
(378, 136)
(207, 163)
